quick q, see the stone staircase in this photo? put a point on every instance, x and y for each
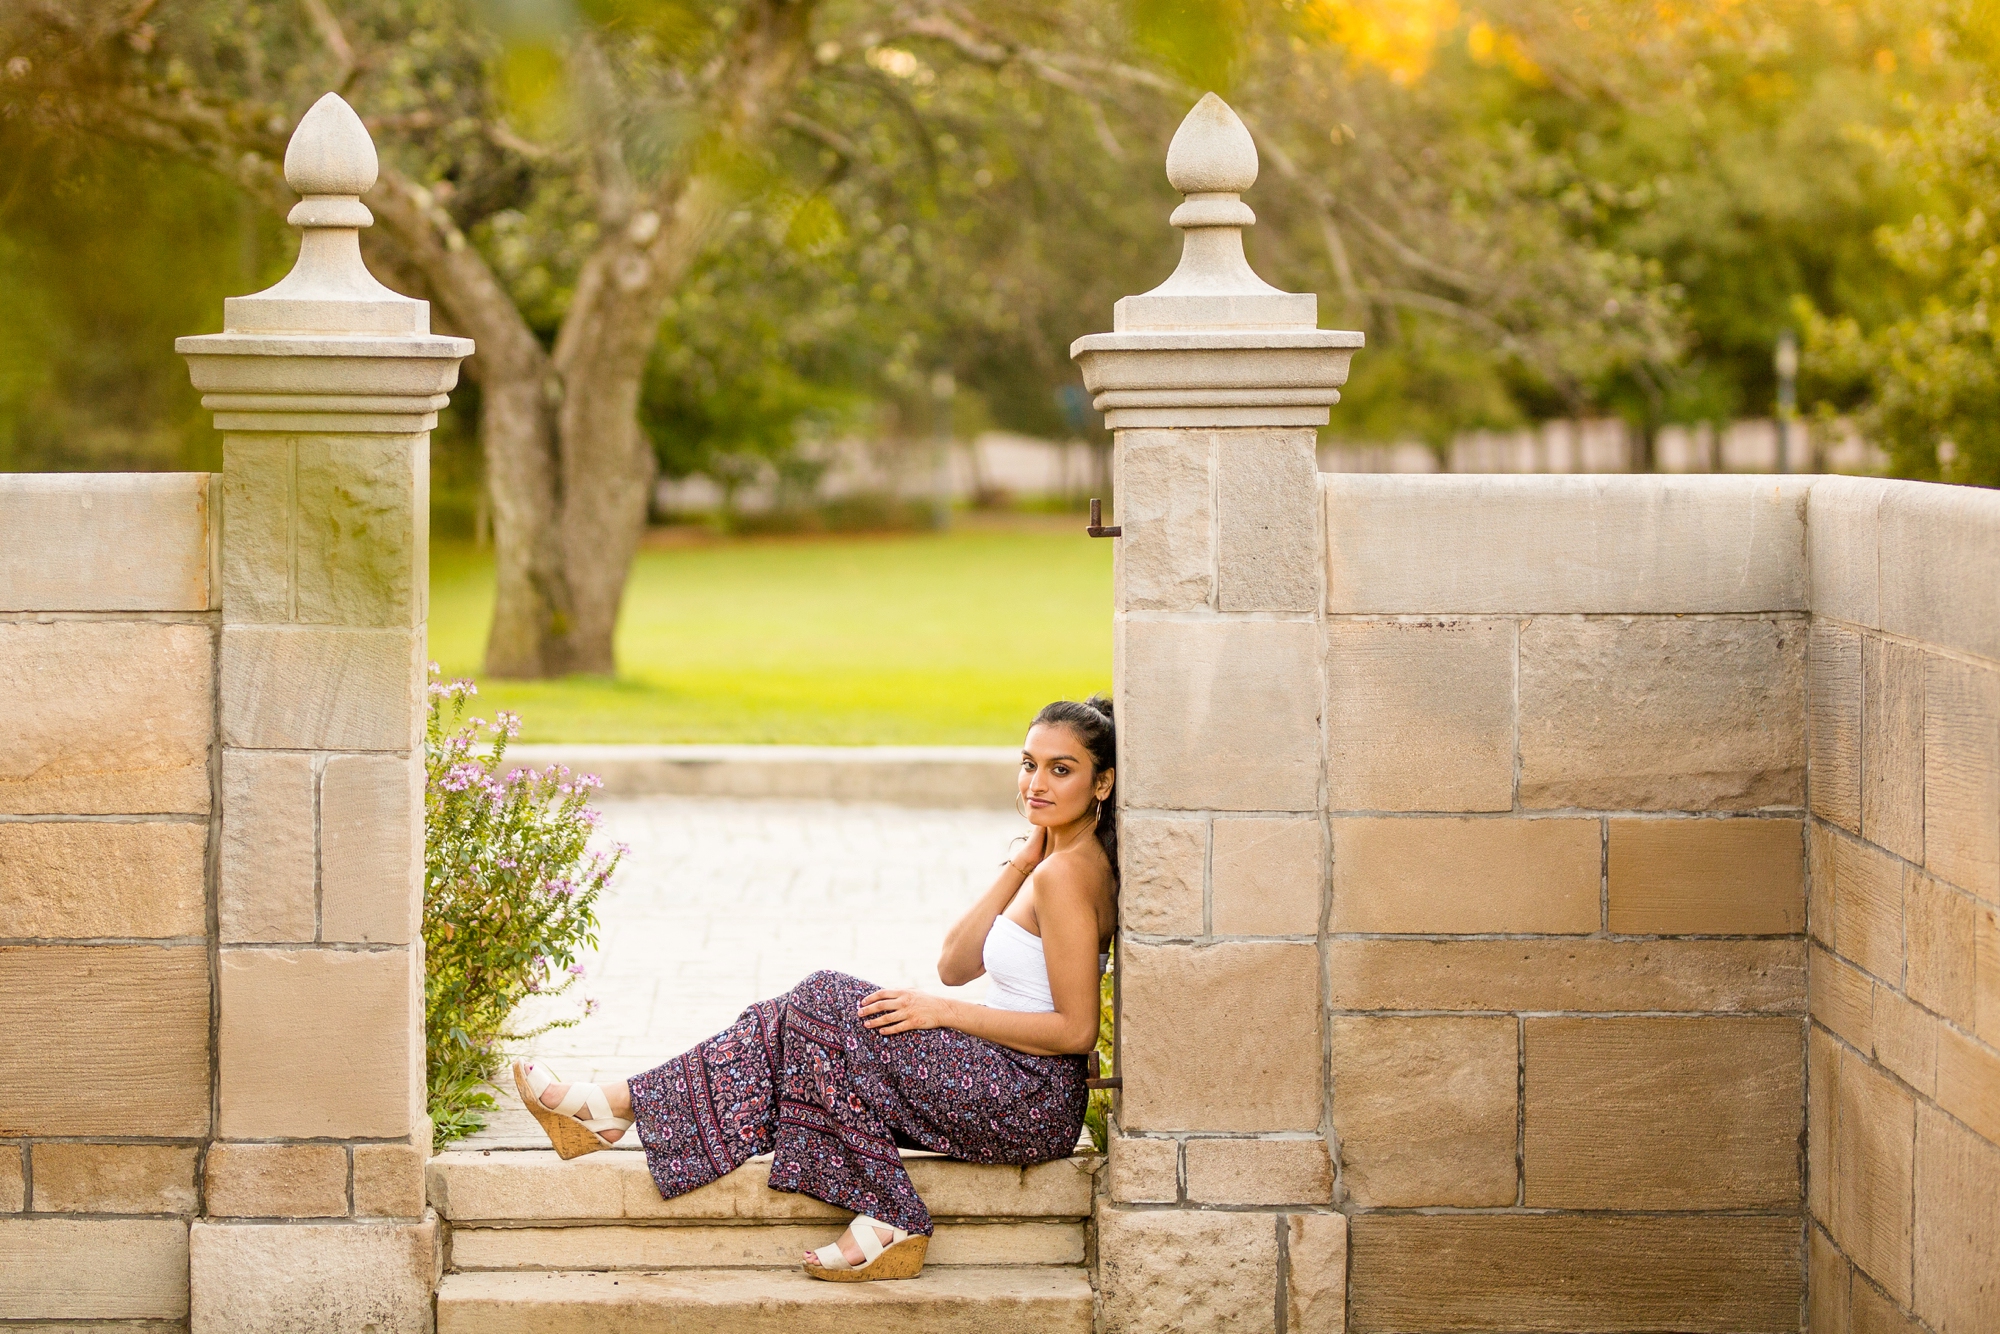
(534, 1245)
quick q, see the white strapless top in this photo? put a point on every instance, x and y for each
(1018, 969)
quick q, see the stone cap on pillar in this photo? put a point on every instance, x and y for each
(329, 349)
(1215, 345)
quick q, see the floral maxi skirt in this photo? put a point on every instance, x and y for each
(800, 1078)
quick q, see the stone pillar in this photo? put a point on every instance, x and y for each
(325, 387)
(1221, 1185)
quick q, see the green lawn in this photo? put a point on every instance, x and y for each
(934, 638)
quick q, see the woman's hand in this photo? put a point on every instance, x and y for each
(901, 1010)
(1031, 853)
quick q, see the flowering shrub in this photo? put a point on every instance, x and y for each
(510, 892)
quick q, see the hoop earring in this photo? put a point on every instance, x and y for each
(1021, 805)
(1096, 805)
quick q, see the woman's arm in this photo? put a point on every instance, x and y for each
(964, 955)
(1068, 918)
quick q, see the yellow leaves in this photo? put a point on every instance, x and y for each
(1398, 37)
(1401, 38)
(533, 87)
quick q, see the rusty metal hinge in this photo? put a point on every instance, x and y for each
(1097, 528)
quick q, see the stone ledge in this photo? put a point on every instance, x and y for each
(964, 1300)
(953, 777)
(536, 1185)
(742, 1246)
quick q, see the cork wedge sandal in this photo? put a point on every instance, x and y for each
(572, 1135)
(903, 1257)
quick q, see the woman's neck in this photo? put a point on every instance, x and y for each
(1062, 838)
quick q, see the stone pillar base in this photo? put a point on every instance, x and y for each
(313, 1278)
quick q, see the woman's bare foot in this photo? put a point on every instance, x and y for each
(619, 1095)
(850, 1250)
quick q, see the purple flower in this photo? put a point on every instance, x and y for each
(576, 970)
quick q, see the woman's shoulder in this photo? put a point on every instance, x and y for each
(1081, 871)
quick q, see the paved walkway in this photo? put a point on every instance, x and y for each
(722, 903)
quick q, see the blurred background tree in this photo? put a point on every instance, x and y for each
(688, 235)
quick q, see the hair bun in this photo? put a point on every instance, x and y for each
(1102, 703)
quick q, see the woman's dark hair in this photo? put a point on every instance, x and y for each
(1090, 719)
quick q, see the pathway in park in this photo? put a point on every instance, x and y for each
(722, 903)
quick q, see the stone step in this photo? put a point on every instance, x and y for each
(956, 777)
(500, 1187)
(742, 1245)
(943, 1300)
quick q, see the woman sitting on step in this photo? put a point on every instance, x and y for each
(831, 1077)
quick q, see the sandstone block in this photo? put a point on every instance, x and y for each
(1940, 570)
(1694, 976)
(1145, 1171)
(1827, 1277)
(1202, 1273)
(317, 1044)
(257, 474)
(767, 1246)
(1870, 1169)
(1577, 544)
(1420, 715)
(1892, 745)
(1864, 888)
(114, 1178)
(266, 889)
(1962, 775)
(1316, 1273)
(1940, 926)
(1552, 1273)
(1424, 1109)
(1663, 1114)
(69, 695)
(97, 879)
(1968, 1081)
(1957, 1227)
(389, 1180)
(371, 849)
(133, 1018)
(1706, 877)
(109, 1269)
(1663, 715)
(13, 1182)
(1164, 864)
(1906, 1040)
(1267, 521)
(1259, 1171)
(277, 1181)
(1842, 998)
(1268, 876)
(1986, 974)
(1842, 541)
(1455, 875)
(299, 688)
(104, 542)
(269, 1278)
(361, 529)
(1166, 558)
(1833, 723)
(1872, 1313)
(1223, 715)
(1822, 1079)
(1220, 1037)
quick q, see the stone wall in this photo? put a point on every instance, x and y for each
(1903, 1103)
(1464, 957)
(108, 825)
(211, 848)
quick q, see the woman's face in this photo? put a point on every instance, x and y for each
(1057, 781)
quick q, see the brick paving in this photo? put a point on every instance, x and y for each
(722, 903)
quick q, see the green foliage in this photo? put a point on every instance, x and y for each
(510, 893)
(1927, 384)
(1096, 1117)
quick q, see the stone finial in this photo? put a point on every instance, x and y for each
(330, 152)
(1212, 152)
(1212, 161)
(331, 162)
